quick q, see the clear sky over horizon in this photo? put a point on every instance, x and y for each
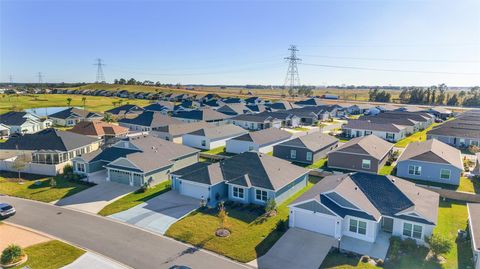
(243, 42)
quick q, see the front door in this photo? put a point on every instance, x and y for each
(387, 224)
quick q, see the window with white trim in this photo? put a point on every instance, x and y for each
(415, 170)
(412, 230)
(368, 133)
(445, 174)
(80, 167)
(474, 143)
(366, 164)
(390, 136)
(238, 192)
(358, 226)
(309, 156)
(293, 154)
(261, 195)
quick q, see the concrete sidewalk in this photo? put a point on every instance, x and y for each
(91, 260)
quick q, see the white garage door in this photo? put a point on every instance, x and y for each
(315, 222)
(193, 190)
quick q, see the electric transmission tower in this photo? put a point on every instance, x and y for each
(292, 80)
(100, 75)
(10, 79)
(40, 78)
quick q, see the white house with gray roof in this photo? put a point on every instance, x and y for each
(361, 209)
(260, 141)
(23, 122)
(212, 137)
(255, 122)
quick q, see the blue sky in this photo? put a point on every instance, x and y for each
(243, 42)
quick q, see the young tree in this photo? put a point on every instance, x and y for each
(222, 216)
(438, 244)
(69, 101)
(84, 100)
(270, 206)
(19, 164)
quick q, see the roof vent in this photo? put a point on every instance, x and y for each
(393, 180)
(356, 188)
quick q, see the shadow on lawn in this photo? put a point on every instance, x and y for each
(263, 247)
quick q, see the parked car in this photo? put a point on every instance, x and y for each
(6, 211)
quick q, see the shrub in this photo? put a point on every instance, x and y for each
(282, 226)
(11, 254)
(380, 262)
(438, 245)
(395, 245)
(365, 258)
(270, 206)
(410, 245)
(68, 169)
(53, 182)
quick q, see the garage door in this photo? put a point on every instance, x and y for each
(193, 190)
(315, 222)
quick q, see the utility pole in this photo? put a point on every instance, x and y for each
(100, 75)
(292, 80)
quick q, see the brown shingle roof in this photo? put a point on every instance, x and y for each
(98, 128)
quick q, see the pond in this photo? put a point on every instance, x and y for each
(46, 111)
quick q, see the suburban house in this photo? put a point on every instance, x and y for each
(365, 154)
(256, 122)
(282, 105)
(23, 122)
(212, 136)
(309, 102)
(125, 111)
(207, 115)
(261, 141)
(440, 112)
(45, 152)
(137, 160)
(288, 119)
(258, 108)
(474, 231)
(99, 129)
(365, 209)
(234, 109)
(249, 178)
(419, 120)
(174, 132)
(432, 161)
(388, 131)
(461, 132)
(73, 115)
(233, 100)
(306, 149)
(160, 106)
(148, 121)
(254, 100)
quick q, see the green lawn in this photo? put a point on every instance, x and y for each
(251, 234)
(318, 164)
(452, 216)
(42, 192)
(416, 137)
(215, 151)
(51, 255)
(300, 129)
(135, 198)
(386, 170)
(468, 185)
(93, 103)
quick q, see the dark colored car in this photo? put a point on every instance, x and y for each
(6, 211)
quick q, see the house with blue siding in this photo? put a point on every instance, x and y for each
(249, 178)
(432, 161)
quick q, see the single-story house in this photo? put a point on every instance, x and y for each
(431, 160)
(212, 137)
(461, 132)
(160, 106)
(474, 231)
(288, 119)
(254, 100)
(441, 112)
(306, 149)
(388, 131)
(73, 115)
(174, 132)
(125, 111)
(4, 131)
(361, 208)
(24, 122)
(256, 122)
(234, 109)
(365, 154)
(45, 152)
(137, 160)
(250, 177)
(233, 100)
(310, 102)
(148, 121)
(282, 105)
(262, 141)
(99, 129)
(207, 115)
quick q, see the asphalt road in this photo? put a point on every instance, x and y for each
(126, 244)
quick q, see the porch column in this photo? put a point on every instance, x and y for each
(108, 174)
(131, 179)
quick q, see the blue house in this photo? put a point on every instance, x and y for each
(431, 160)
(249, 178)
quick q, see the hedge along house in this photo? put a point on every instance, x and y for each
(137, 160)
(71, 116)
(364, 154)
(432, 161)
(212, 137)
(250, 177)
(147, 121)
(361, 209)
(306, 149)
(260, 141)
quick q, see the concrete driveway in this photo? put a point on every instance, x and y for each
(297, 248)
(95, 198)
(159, 213)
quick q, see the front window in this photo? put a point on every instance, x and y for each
(414, 170)
(250, 148)
(238, 192)
(445, 174)
(80, 167)
(412, 230)
(474, 143)
(366, 164)
(204, 143)
(368, 132)
(390, 136)
(358, 226)
(293, 154)
(309, 156)
(261, 195)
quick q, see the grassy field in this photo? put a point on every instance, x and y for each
(252, 235)
(42, 192)
(93, 103)
(135, 198)
(50, 255)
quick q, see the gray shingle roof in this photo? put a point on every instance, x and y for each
(265, 137)
(370, 144)
(222, 131)
(75, 112)
(13, 118)
(151, 119)
(315, 141)
(434, 151)
(179, 129)
(206, 114)
(124, 109)
(474, 219)
(373, 126)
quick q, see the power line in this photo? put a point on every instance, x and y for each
(292, 79)
(100, 75)
(390, 59)
(390, 70)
